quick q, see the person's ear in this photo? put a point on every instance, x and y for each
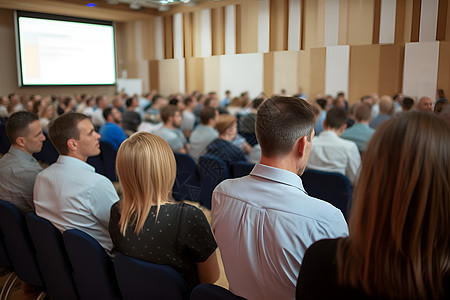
(72, 144)
(300, 145)
(20, 141)
(342, 128)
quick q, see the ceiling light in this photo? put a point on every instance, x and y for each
(135, 5)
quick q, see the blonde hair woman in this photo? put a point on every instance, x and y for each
(399, 246)
(46, 114)
(144, 225)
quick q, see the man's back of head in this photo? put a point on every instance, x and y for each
(386, 105)
(206, 114)
(17, 125)
(363, 113)
(280, 121)
(335, 119)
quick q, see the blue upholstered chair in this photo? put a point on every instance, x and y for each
(93, 269)
(48, 153)
(187, 185)
(212, 171)
(334, 188)
(5, 262)
(144, 280)
(4, 141)
(239, 169)
(208, 291)
(105, 162)
(19, 246)
(52, 258)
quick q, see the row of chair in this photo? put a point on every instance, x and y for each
(73, 265)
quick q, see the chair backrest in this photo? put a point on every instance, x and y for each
(187, 185)
(5, 262)
(334, 188)
(250, 138)
(105, 162)
(212, 171)
(18, 244)
(4, 141)
(48, 153)
(144, 280)
(208, 291)
(93, 269)
(240, 168)
(52, 258)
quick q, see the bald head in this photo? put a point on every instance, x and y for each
(425, 104)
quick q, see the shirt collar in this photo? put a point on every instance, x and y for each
(75, 162)
(278, 175)
(329, 134)
(21, 154)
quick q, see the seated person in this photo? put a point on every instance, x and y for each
(69, 193)
(247, 122)
(152, 114)
(222, 147)
(361, 132)
(398, 246)
(130, 118)
(330, 153)
(18, 167)
(111, 132)
(170, 131)
(144, 225)
(204, 133)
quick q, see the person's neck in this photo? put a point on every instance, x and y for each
(77, 156)
(225, 137)
(337, 131)
(365, 122)
(284, 163)
(169, 126)
(21, 149)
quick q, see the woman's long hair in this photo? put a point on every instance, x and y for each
(400, 220)
(146, 169)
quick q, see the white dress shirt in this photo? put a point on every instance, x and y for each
(263, 223)
(97, 118)
(71, 195)
(330, 153)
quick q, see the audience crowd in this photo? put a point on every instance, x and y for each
(275, 240)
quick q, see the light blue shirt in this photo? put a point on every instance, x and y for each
(201, 137)
(263, 223)
(174, 137)
(360, 134)
(71, 195)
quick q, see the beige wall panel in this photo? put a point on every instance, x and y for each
(360, 22)
(317, 72)
(285, 72)
(8, 76)
(188, 34)
(148, 39)
(390, 69)
(443, 80)
(218, 31)
(303, 72)
(196, 33)
(249, 26)
(268, 74)
(194, 74)
(314, 23)
(211, 82)
(169, 76)
(278, 25)
(343, 22)
(364, 74)
(168, 37)
(447, 30)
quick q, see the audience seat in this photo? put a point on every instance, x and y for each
(48, 154)
(105, 162)
(4, 141)
(208, 291)
(93, 269)
(239, 169)
(212, 171)
(19, 246)
(144, 280)
(52, 258)
(334, 188)
(5, 263)
(250, 138)
(187, 185)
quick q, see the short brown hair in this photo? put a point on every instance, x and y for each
(207, 113)
(363, 112)
(63, 128)
(336, 117)
(280, 122)
(17, 125)
(224, 121)
(167, 112)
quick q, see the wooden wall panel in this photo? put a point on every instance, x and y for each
(168, 37)
(169, 76)
(364, 75)
(443, 79)
(285, 72)
(441, 29)
(415, 20)
(268, 74)
(303, 72)
(148, 39)
(390, 69)
(279, 25)
(194, 74)
(317, 72)
(360, 22)
(343, 24)
(218, 30)
(154, 74)
(248, 20)
(376, 22)
(188, 34)
(314, 23)
(196, 34)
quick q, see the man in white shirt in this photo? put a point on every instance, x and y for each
(264, 222)
(69, 193)
(330, 152)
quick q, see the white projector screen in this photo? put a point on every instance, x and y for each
(60, 50)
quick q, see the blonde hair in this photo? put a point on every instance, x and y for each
(400, 221)
(224, 121)
(146, 169)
